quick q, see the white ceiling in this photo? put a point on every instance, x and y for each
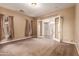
(39, 10)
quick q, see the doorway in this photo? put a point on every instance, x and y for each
(50, 28)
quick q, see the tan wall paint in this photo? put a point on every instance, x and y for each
(34, 27)
(77, 24)
(68, 26)
(19, 21)
(77, 27)
(68, 23)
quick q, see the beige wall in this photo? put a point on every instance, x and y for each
(68, 23)
(77, 23)
(19, 21)
(34, 28)
(77, 27)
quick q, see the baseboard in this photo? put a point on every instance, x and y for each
(69, 42)
(14, 40)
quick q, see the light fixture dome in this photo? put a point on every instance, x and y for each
(34, 5)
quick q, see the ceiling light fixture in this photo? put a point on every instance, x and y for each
(34, 5)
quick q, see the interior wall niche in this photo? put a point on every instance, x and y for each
(6, 27)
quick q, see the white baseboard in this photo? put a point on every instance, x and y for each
(24, 38)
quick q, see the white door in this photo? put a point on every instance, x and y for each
(39, 28)
(50, 28)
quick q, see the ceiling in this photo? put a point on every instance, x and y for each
(36, 11)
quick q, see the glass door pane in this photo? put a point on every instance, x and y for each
(46, 30)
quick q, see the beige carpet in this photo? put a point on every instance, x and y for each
(37, 47)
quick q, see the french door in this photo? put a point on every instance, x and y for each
(51, 28)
